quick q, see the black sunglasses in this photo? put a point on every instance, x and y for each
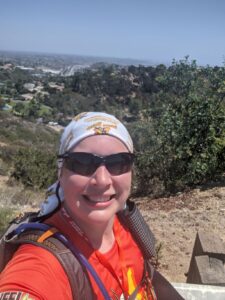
(86, 164)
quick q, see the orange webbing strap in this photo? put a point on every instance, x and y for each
(47, 234)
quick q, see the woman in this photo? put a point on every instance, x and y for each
(95, 173)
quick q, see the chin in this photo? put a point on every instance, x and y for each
(101, 216)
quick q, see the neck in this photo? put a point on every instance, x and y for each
(101, 236)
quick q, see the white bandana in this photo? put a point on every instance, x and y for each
(93, 123)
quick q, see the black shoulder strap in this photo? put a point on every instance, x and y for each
(134, 221)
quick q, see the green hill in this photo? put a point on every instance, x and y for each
(27, 151)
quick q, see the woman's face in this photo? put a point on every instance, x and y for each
(96, 198)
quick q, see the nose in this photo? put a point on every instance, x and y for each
(101, 177)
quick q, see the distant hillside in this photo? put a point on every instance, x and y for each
(17, 132)
(60, 61)
(27, 151)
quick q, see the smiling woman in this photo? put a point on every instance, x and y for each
(100, 195)
(88, 211)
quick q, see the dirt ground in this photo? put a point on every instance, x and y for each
(175, 222)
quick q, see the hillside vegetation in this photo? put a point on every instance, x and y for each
(27, 151)
(176, 116)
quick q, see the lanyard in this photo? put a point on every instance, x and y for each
(75, 226)
(123, 283)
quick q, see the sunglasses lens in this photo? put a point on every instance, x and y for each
(86, 163)
(80, 163)
(119, 163)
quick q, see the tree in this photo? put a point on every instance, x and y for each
(189, 145)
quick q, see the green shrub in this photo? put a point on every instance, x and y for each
(34, 167)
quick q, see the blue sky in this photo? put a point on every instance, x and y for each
(158, 31)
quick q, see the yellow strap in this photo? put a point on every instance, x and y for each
(47, 234)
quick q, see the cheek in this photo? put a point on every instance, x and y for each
(125, 182)
(71, 183)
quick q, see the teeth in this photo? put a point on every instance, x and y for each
(99, 200)
(96, 200)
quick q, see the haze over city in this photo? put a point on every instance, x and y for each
(154, 31)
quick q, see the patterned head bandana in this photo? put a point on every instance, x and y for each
(93, 123)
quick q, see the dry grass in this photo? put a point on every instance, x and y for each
(14, 199)
(15, 195)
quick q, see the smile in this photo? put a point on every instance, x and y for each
(98, 199)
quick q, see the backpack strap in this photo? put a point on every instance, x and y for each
(76, 273)
(132, 219)
(72, 260)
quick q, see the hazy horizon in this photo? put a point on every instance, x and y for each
(144, 30)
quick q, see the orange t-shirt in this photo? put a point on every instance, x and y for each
(34, 273)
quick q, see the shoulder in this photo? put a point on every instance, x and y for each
(36, 270)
